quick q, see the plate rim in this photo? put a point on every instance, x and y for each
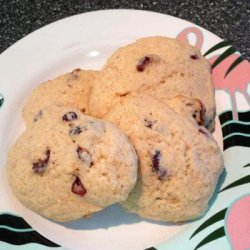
(98, 11)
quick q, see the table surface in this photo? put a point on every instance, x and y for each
(229, 19)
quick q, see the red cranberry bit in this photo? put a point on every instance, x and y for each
(161, 172)
(70, 116)
(41, 164)
(84, 155)
(194, 57)
(156, 160)
(144, 61)
(77, 187)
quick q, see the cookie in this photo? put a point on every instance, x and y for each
(158, 65)
(179, 161)
(71, 89)
(68, 165)
(191, 108)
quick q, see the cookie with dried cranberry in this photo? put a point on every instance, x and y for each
(71, 89)
(69, 165)
(179, 161)
(158, 65)
(191, 108)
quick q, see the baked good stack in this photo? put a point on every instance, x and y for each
(137, 133)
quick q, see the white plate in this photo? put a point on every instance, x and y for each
(85, 41)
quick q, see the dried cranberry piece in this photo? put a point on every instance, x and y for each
(194, 57)
(75, 131)
(70, 116)
(41, 164)
(142, 63)
(77, 187)
(161, 172)
(84, 155)
(156, 160)
(199, 113)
